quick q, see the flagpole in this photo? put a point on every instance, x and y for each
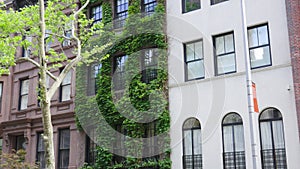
(252, 118)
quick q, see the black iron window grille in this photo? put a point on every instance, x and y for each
(192, 146)
(233, 142)
(273, 151)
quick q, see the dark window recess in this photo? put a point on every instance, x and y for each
(23, 3)
(148, 7)
(1, 93)
(192, 144)
(150, 144)
(273, 151)
(93, 72)
(213, 2)
(119, 145)
(190, 5)
(119, 72)
(233, 142)
(96, 13)
(40, 152)
(121, 8)
(224, 54)
(23, 97)
(90, 148)
(64, 148)
(149, 64)
(20, 143)
(194, 60)
(259, 46)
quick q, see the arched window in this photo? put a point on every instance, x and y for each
(272, 139)
(192, 148)
(233, 142)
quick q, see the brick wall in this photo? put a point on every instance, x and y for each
(293, 17)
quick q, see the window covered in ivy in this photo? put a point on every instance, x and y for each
(119, 73)
(148, 6)
(121, 13)
(149, 64)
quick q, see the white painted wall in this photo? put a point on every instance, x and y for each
(211, 98)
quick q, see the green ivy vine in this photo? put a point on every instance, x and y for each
(138, 33)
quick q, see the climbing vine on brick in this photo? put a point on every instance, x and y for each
(138, 97)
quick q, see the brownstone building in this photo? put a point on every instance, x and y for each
(20, 113)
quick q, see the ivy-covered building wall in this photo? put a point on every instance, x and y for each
(128, 116)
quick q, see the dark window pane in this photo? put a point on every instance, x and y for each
(217, 1)
(119, 73)
(272, 139)
(191, 5)
(64, 148)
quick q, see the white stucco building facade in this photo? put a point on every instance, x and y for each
(207, 87)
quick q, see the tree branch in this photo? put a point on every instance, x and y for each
(74, 61)
(29, 60)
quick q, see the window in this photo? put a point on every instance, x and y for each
(119, 73)
(217, 1)
(149, 6)
(1, 93)
(65, 88)
(233, 142)
(21, 3)
(190, 5)
(90, 147)
(192, 145)
(48, 41)
(224, 54)
(93, 72)
(193, 53)
(40, 151)
(150, 147)
(24, 89)
(259, 46)
(120, 147)
(20, 143)
(272, 139)
(67, 34)
(149, 64)
(121, 13)
(64, 148)
(96, 13)
(26, 51)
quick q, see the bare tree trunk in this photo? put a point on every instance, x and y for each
(44, 98)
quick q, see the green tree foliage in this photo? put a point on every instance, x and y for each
(49, 22)
(15, 160)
